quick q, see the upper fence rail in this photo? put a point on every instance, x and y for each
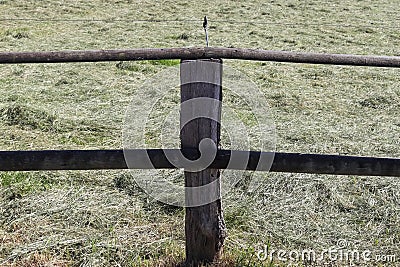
(198, 53)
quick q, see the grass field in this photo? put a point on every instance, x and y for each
(102, 218)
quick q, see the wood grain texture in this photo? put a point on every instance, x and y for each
(193, 53)
(41, 160)
(204, 225)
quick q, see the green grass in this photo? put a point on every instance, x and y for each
(19, 184)
(102, 218)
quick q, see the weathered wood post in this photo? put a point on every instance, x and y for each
(204, 224)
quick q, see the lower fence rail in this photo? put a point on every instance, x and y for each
(41, 160)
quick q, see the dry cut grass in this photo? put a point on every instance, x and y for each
(102, 218)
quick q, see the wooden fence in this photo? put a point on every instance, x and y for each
(200, 247)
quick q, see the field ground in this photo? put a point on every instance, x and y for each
(102, 218)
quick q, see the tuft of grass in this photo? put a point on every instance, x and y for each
(183, 36)
(28, 117)
(135, 67)
(375, 102)
(286, 102)
(18, 33)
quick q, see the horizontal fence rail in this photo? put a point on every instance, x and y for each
(114, 159)
(198, 53)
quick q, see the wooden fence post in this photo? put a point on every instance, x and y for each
(204, 225)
